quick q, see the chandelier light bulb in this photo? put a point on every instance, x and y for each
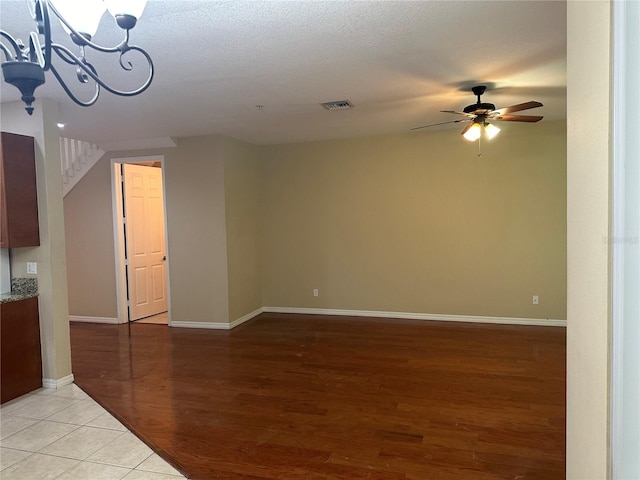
(133, 8)
(83, 16)
(491, 130)
(473, 133)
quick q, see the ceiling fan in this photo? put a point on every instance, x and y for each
(479, 114)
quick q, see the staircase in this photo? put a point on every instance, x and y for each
(77, 158)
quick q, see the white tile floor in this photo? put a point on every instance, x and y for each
(64, 434)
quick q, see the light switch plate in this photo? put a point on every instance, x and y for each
(32, 268)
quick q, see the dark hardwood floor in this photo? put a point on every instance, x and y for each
(315, 397)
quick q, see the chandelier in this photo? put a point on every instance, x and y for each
(25, 64)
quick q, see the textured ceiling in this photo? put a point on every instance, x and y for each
(398, 62)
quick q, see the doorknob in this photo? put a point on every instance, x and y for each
(164, 259)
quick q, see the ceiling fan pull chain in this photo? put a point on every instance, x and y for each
(479, 152)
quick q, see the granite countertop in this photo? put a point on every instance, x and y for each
(21, 289)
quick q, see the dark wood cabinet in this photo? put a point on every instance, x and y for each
(18, 192)
(20, 357)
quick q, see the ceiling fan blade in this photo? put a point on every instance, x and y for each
(517, 108)
(458, 113)
(519, 118)
(442, 123)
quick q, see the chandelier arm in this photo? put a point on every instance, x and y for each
(70, 93)
(149, 79)
(43, 22)
(19, 53)
(66, 55)
(80, 62)
(7, 53)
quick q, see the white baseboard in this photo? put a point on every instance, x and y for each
(420, 316)
(218, 325)
(109, 320)
(59, 383)
(246, 318)
(440, 317)
(207, 325)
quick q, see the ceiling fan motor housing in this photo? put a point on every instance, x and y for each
(478, 108)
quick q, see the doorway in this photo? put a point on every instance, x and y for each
(140, 240)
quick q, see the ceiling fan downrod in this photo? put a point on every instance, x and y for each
(478, 91)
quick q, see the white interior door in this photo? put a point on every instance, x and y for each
(144, 241)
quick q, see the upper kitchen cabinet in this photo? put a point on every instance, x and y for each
(18, 193)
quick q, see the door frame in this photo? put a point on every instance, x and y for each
(118, 232)
(624, 391)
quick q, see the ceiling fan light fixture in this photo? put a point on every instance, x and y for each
(473, 133)
(491, 130)
(478, 115)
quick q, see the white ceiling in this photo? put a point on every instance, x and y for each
(398, 62)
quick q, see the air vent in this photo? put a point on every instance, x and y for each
(337, 105)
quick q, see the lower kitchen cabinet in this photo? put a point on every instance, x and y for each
(21, 360)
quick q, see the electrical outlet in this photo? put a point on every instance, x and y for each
(535, 300)
(315, 292)
(32, 268)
